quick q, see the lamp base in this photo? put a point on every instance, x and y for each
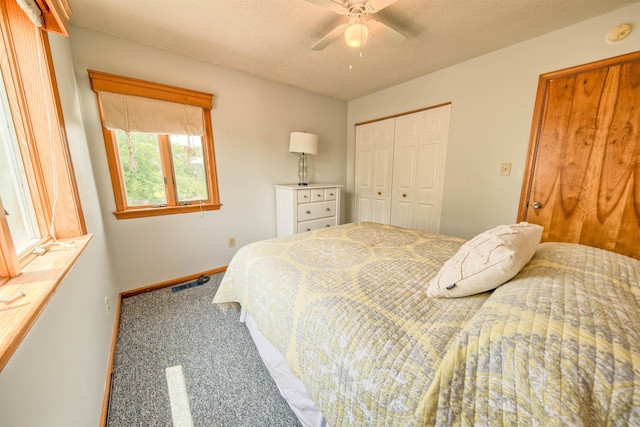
(303, 169)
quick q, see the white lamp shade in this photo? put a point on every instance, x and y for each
(302, 142)
(356, 35)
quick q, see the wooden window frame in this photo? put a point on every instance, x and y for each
(104, 82)
(27, 61)
(28, 281)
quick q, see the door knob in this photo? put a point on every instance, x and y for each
(404, 195)
(536, 205)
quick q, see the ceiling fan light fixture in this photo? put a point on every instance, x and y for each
(356, 35)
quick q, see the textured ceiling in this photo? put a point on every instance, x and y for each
(273, 38)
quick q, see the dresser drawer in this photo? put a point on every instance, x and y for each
(316, 224)
(311, 211)
(304, 196)
(317, 195)
(330, 193)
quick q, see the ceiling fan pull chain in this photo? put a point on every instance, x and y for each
(361, 37)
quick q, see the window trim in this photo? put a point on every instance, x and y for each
(106, 82)
(26, 49)
(28, 280)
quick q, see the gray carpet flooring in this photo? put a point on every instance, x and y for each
(226, 381)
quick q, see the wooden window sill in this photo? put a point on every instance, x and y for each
(38, 281)
(165, 210)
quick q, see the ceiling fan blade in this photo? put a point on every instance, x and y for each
(333, 5)
(374, 6)
(385, 32)
(334, 34)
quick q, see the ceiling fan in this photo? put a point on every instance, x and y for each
(356, 31)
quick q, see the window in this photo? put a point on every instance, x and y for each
(147, 158)
(37, 184)
(38, 194)
(159, 146)
(14, 190)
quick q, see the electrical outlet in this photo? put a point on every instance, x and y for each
(505, 169)
(232, 242)
(106, 303)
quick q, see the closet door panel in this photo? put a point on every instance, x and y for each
(374, 163)
(402, 215)
(404, 170)
(427, 172)
(381, 212)
(365, 169)
(381, 194)
(365, 209)
(424, 216)
(434, 135)
(418, 180)
(363, 176)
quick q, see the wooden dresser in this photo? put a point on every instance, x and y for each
(301, 208)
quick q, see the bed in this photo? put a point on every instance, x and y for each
(347, 324)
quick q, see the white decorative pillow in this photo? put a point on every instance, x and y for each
(486, 261)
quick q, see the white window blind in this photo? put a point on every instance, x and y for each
(138, 114)
(32, 10)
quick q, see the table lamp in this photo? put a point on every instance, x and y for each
(303, 143)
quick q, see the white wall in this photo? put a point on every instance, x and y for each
(57, 375)
(492, 105)
(251, 118)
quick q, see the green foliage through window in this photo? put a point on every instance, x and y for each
(144, 176)
(188, 166)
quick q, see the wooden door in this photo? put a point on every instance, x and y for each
(582, 181)
(420, 150)
(374, 162)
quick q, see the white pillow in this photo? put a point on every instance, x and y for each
(486, 261)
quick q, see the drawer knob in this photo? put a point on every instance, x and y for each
(305, 196)
(379, 193)
(328, 225)
(331, 194)
(404, 195)
(308, 229)
(308, 212)
(318, 195)
(328, 209)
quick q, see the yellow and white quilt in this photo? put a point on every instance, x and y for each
(347, 308)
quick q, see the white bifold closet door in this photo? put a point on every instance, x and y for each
(374, 170)
(399, 174)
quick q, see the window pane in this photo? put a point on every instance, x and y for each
(14, 190)
(188, 166)
(141, 168)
